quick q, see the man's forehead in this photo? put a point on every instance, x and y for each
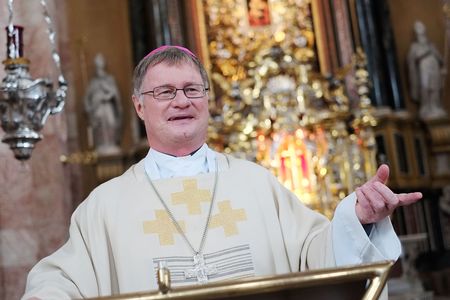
(172, 65)
(178, 72)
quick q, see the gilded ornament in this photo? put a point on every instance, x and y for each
(278, 111)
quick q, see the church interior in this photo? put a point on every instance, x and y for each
(321, 92)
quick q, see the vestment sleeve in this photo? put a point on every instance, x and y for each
(351, 243)
(312, 241)
(70, 273)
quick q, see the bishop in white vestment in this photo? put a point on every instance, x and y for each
(121, 232)
(205, 215)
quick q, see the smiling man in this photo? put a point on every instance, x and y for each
(205, 215)
(173, 103)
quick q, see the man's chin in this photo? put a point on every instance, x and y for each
(184, 136)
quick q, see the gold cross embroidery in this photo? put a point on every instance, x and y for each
(227, 218)
(163, 226)
(191, 196)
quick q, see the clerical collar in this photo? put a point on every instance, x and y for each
(159, 165)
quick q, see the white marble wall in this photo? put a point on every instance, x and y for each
(35, 201)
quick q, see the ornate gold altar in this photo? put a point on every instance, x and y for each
(271, 104)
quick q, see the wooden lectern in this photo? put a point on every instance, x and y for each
(355, 282)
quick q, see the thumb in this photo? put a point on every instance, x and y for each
(382, 174)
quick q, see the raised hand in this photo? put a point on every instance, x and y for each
(375, 200)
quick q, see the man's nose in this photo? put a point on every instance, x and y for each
(180, 99)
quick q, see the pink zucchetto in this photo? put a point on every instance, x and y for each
(159, 49)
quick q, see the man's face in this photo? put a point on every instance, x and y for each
(176, 126)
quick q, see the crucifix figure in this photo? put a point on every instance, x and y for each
(200, 270)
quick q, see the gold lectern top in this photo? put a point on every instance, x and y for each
(355, 282)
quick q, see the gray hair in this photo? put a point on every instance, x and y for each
(171, 56)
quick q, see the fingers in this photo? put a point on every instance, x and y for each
(364, 210)
(382, 175)
(364, 201)
(372, 206)
(388, 197)
(374, 197)
(409, 198)
(376, 201)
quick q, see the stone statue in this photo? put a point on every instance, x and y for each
(104, 110)
(425, 74)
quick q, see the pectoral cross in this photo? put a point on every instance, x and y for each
(200, 270)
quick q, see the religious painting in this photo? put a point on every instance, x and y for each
(258, 12)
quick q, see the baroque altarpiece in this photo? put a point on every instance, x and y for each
(272, 105)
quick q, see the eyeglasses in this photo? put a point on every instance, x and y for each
(168, 92)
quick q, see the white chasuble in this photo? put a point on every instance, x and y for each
(121, 232)
(227, 252)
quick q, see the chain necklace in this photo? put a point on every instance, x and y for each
(200, 270)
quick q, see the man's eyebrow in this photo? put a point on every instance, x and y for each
(165, 85)
(185, 83)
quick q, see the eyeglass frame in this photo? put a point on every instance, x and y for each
(205, 90)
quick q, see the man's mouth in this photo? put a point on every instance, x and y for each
(179, 118)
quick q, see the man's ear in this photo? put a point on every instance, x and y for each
(138, 106)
